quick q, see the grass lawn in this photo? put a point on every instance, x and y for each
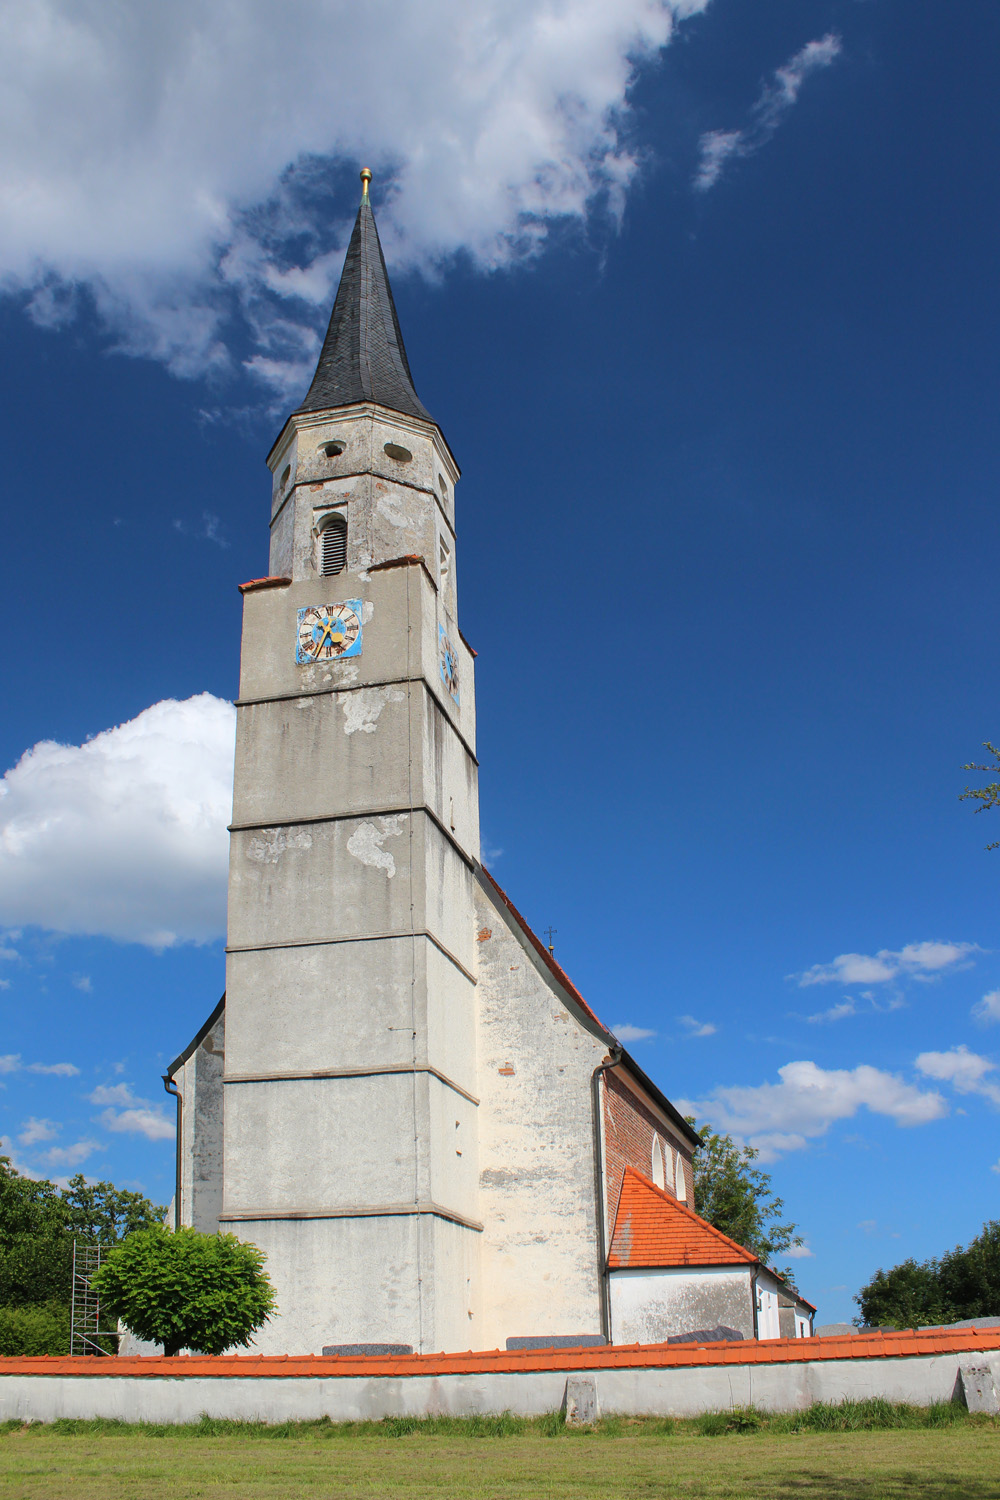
(869, 1451)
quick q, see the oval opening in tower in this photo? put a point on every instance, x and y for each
(333, 450)
(443, 487)
(286, 475)
(401, 455)
(333, 544)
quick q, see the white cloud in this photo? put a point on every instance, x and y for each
(799, 1252)
(629, 1033)
(987, 1010)
(125, 835)
(33, 1131)
(118, 1093)
(918, 960)
(83, 982)
(143, 1120)
(966, 1071)
(12, 1062)
(72, 1156)
(772, 104)
(165, 157)
(4, 984)
(697, 1028)
(780, 1117)
(129, 1115)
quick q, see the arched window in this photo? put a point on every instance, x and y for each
(333, 544)
(682, 1191)
(671, 1176)
(659, 1176)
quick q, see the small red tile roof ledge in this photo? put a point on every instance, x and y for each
(906, 1344)
(279, 581)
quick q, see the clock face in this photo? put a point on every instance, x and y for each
(448, 662)
(327, 631)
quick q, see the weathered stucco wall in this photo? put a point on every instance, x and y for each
(536, 1146)
(649, 1306)
(199, 1079)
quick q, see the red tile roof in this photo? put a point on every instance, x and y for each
(906, 1344)
(653, 1229)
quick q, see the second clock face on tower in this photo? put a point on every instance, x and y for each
(327, 631)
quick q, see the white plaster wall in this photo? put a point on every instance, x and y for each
(650, 1305)
(536, 1145)
(768, 1313)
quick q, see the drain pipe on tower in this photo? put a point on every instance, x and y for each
(612, 1060)
(171, 1088)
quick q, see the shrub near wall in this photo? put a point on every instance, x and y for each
(43, 1329)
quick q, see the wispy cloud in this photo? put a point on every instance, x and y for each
(12, 1062)
(72, 1156)
(966, 1071)
(32, 1131)
(696, 1028)
(799, 1252)
(785, 1116)
(838, 1012)
(83, 982)
(776, 98)
(627, 1033)
(916, 960)
(210, 529)
(987, 1010)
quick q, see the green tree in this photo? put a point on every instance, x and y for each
(187, 1290)
(987, 796)
(964, 1283)
(103, 1214)
(38, 1224)
(736, 1196)
(35, 1248)
(909, 1295)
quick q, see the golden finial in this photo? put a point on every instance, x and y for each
(366, 178)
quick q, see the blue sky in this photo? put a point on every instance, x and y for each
(704, 297)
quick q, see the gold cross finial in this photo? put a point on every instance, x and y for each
(366, 178)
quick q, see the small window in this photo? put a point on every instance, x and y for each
(333, 544)
(286, 475)
(444, 562)
(682, 1191)
(333, 450)
(401, 455)
(659, 1177)
(671, 1175)
(443, 487)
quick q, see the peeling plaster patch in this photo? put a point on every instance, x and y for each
(484, 935)
(268, 850)
(367, 611)
(388, 506)
(365, 843)
(363, 707)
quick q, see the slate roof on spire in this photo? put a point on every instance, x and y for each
(363, 358)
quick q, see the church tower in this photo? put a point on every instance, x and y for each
(350, 1138)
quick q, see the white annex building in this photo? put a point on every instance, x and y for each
(402, 1099)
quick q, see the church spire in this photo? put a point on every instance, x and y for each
(363, 358)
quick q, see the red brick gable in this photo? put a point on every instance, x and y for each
(653, 1229)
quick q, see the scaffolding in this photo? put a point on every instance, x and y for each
(86, 1335)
